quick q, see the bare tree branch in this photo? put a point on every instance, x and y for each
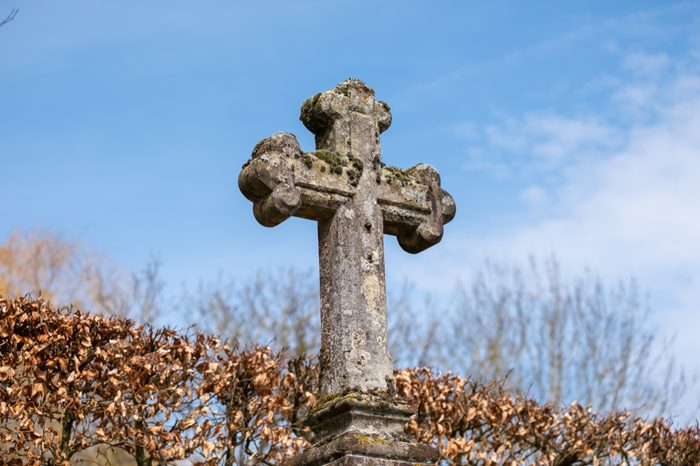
(10, 17)
(561, 339)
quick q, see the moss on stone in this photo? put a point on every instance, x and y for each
(331, 158)
(307, 160)
(334, 398)
(343, 89)
(336, 164)
(355, 172)
(395, 175)
(353, 177)
(382, 397)
(346, 87)
(334, 161)
(310, 103)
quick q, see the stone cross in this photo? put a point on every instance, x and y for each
(355, 199)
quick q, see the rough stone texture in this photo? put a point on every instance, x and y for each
(365, 449)
(356, 199)
(363, 429)
(377, 415)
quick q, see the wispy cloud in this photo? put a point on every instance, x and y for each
(645, 22)
(627, 200)
(646, 64)
(536, 142)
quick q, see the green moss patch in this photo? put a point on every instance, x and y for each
(397, 176)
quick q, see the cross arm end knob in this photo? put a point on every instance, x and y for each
(268, 181)
(442, 210)
(318, 113)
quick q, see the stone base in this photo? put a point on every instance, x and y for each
(354, 460)
(363, 429)
(358, 449)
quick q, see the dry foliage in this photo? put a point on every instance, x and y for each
(71, 381)
(553, 337)
(279, 307)
(478, 424)
(68, 272)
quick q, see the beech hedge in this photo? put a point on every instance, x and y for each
(71, 382)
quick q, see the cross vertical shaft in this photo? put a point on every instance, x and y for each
(354, 354)
(355, 199)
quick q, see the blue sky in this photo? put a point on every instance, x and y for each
(570, 128)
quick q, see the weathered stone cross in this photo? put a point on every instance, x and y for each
(356, 199)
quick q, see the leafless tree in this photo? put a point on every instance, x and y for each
(415, 328)
(562, 340)
(67, 272)
(550, 337)
(274, 307)
(281, 308)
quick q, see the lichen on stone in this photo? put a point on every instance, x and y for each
(336, 164)
(353, 177)
(370, 439)
(309, 103)
(346, 87)
(343, 89)
(381, 398)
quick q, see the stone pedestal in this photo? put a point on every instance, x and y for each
(363, 429)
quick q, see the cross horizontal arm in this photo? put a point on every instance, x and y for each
(283, 181)
(414, 206)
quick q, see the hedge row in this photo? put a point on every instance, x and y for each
(72, 382)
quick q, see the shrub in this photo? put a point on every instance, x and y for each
(71, 382)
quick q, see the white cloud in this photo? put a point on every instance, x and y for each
(633, 206)
(638, 211)
(537, 142)
(627, 204)
(534, 196)
(555, 136)
(636, 96)
(646, 64)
